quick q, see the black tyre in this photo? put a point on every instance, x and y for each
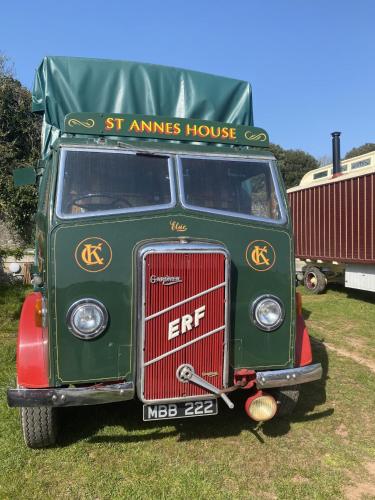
(314, 280)
(286, 399)
(39, 426)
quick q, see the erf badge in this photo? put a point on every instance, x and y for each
(260, 255)
(93, 254)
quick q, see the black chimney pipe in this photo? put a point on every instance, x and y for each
(336, 152)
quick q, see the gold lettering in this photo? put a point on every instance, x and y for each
(203, 131)
(109, 124)
(134, 126)
(224, 132)
(119, 122)
(176, 226)
(232, 133)
(215, 134)
(146, 126)
(158, 128)
(258, 255)
(90, 254)
(190, 129)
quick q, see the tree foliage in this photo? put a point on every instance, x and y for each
(361, 150)
(19, 145)
(293, 164)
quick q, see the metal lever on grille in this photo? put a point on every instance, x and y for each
(186, 373)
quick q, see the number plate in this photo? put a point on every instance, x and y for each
(180, 410)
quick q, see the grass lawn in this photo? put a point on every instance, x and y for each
(325, 450)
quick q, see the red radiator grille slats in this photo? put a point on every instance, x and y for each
(198, 273)
(156, 346)
(193, 269)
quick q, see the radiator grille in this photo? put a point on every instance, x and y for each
(190, 284)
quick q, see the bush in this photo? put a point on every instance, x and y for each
(293, 164)
(361, 150)
(19, 145)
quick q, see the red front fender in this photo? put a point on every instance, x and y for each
(303, 354)
(32, 346)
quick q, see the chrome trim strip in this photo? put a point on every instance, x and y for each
(180, 246)
(226, 321)
(179, 348)
(137, 147)
(236, 215)
(71, 396)
(183, 245)
(185, 301)
(209, 395)
(293, 376)
(118, 211)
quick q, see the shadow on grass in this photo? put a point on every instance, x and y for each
(360, 295)
(351, 293)
(78, 423)
(306, 313)
(312, 395)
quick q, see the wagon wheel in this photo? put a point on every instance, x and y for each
(314, 280)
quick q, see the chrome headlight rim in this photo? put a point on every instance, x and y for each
(100, 328)
(256, 304)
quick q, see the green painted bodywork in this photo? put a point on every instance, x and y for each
(89, 86)
(113, 355)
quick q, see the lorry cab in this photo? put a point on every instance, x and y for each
(164, 271)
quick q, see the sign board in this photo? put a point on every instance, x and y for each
(163, 127)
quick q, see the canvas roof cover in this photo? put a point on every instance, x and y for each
(73, 84)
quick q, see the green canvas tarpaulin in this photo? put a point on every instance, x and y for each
(72, 85)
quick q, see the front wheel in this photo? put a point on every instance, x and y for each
(314, 280)
(39, 426)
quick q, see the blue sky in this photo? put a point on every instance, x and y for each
(311, 63)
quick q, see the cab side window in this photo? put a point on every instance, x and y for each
(44, 192)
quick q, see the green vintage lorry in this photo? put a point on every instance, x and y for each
(164, 266)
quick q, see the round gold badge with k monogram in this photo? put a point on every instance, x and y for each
(93, 254)
(260, 255)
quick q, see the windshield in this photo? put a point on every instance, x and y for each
(235, 187)
(95, 182)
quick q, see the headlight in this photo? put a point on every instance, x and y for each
(267, 313)
(87, 318)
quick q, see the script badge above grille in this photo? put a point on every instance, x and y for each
(165, 280)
